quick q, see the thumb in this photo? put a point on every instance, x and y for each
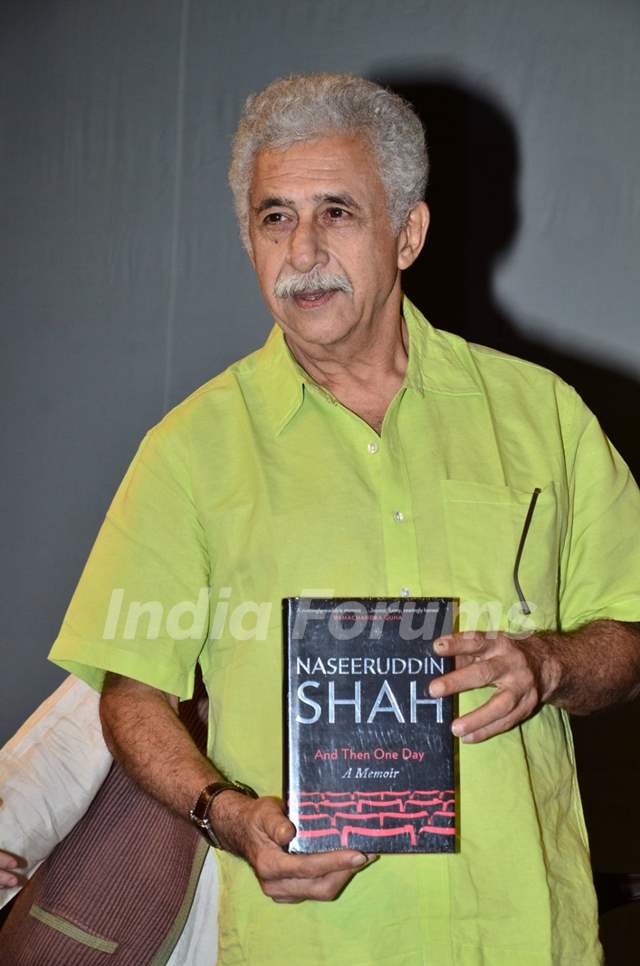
(277, 826)
(284, 832)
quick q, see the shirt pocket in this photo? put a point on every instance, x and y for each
(485, 524)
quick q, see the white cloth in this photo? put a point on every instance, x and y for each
(198, 944)
(49, 773)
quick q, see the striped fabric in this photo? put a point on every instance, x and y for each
(118, 888)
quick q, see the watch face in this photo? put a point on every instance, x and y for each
(199, 814)
(203, 825)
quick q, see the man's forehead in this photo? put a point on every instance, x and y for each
(337, 167)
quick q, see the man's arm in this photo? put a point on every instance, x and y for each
(142, 729)
(581, 671)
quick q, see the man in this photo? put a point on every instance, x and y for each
(363, 453)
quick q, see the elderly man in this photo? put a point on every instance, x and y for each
(361, 452)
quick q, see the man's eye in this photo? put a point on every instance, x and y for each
(274, 218)
(337, 213)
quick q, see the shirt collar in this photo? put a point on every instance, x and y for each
(438, 362)
(282, 380)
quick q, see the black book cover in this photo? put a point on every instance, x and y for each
(369, 758)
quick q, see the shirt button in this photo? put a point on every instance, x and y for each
(405, 592)
(398, 516)
(373, 448)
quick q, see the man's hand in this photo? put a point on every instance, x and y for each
(565, 670)
(143, 731)
(524, 674)
(8, 866)
(257, 830)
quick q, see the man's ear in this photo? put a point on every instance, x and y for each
(412, 235)
(248, 247)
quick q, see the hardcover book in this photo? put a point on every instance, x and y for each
(368, 754)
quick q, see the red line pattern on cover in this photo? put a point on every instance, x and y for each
(399, 818)
(349, 831)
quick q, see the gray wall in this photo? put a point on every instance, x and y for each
(123, 285)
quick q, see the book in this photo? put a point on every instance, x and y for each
(369, 756)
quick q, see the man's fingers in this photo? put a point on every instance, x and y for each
(482, 661)
(496, 727)
(322, 889)
(288, 877)
(465, 642)
(501, 712)
(273, 864)
(480, 674)
(326, 863)
(292, 878)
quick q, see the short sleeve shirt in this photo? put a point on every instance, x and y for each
(261, 486)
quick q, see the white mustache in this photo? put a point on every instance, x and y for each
(314, 281)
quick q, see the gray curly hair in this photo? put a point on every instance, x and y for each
(311, 105)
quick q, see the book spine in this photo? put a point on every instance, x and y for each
(291, 736)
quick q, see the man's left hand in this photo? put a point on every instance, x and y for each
(523, 672)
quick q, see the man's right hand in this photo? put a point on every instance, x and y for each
(8, 863)
(142, 729)
(257, 830)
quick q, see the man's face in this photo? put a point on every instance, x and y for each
(320, 205)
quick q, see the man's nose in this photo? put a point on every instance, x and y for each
(306, 246)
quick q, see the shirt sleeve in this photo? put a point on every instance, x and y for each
(141, 607)
(600, 575)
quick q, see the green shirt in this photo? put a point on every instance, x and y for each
(260, 486)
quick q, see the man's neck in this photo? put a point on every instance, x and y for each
(366, 377)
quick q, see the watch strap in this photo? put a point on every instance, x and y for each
(199, 814)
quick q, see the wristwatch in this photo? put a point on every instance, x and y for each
(199, 814)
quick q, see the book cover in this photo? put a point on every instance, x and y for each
(369, 758)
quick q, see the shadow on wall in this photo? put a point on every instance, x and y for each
(473, 197)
